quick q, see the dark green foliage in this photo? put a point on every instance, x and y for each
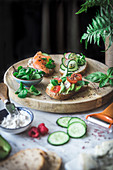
(102, 24)
(92, 3)
(101, 27)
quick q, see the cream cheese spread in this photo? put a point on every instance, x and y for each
(16, 121)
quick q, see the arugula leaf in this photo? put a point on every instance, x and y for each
(20, 88)
(28, 70)
(50, 64)
(25, 77)
(63, 79)
(20, 67)
(23, 93)
(41, 72)
(44, 58)
(54, 82)
(34, 91)
(78, 88)
(36, 76)
(28, 73)
(15, 74)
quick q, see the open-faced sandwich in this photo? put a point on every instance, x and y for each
(43, 62)
(73, 63)
(66, 86)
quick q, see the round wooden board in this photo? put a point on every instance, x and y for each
(82, 101)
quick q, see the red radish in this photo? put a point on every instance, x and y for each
(67, 55)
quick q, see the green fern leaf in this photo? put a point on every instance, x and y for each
(102, 26)
(92, 3)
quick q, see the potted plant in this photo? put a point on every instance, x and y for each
(101, 27)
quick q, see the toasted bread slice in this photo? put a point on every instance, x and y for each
(80, 70)
(62, 96)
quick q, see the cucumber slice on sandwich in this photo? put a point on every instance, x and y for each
(76, 130)
(62, 67)
(58, 138)
(72, 66)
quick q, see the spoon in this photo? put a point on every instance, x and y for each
(10, 107)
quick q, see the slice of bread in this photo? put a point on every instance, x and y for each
(80, 70)
(32, 159)
(62, 96)
(52, 160)
(24, 160)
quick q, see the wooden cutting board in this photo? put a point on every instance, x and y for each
(82, 101)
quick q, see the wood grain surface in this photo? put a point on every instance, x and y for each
(82, 101)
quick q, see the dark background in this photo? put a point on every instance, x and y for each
(27, 26)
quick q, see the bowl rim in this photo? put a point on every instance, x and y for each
(27, 80)
(31, 116)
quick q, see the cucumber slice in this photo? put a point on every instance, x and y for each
(64, 62)
(72, 66)
(58, 138)
(62, 67)
(63, 121)
(73, 56)
(76, 130)
(76, 119)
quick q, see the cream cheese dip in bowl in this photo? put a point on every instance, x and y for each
(17, 123)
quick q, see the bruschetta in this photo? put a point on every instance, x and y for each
(73, 63)
(66, 86)
(43, 62)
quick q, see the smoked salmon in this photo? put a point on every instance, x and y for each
(43, 62)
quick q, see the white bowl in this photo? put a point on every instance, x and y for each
(16, 130)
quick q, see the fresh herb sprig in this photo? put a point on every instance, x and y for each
(23, 92)
(50, 64)
(101, 78)
(28, 73)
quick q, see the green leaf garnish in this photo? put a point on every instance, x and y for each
(23, 92)
(54, 82)
(101, 78)
(50, 64)
(28, 73)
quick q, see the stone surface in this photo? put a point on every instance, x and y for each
(68, 152)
